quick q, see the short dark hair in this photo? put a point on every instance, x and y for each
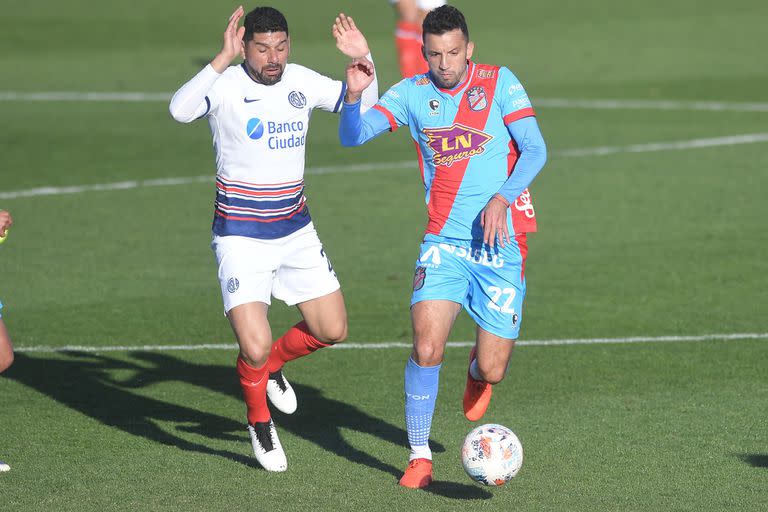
(262, 20)
(444, 19)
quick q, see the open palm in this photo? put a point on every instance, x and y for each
(349, 40)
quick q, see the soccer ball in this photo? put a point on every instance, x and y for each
(492, 454)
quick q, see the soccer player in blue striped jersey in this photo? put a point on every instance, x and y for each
(479, 148)
(263, 236)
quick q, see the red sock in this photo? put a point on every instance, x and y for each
(296, 342)
(408, 43)
(254, 384)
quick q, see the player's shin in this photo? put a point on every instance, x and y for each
(421, 385)
(253, 381)
(296, 342)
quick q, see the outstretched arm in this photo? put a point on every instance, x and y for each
(189, 102)
(356, 128)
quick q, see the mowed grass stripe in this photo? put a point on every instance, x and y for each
(400, 344)
(703, 143)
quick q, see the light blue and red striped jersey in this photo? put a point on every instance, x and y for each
(465, 150)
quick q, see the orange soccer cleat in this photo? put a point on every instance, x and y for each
(477, 394)
(418, 474)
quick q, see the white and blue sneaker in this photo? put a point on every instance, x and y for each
(4, 467)
(280, 393)
(266, 446)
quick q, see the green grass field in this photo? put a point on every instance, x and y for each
(640, 242)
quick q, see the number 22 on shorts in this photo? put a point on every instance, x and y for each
(497, 295)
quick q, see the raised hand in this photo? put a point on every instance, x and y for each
(349, 40)
(232, 46)
(359, 76)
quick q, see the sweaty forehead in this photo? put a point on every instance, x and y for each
(269, 39)
(446, 41)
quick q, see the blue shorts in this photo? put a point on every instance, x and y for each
(489, 285)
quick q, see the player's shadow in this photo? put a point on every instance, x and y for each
(319, 419)
(758, 460)
(84, 382)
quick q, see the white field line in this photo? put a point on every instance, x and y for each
(731, 140)
(404, 345)
(602, 104)
(718, 106)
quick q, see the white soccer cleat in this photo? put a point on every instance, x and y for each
(266, 446)
(281, 393)
(4, 467)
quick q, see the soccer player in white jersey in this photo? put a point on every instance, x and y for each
(263, 236)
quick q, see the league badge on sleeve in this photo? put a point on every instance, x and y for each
(476, 98)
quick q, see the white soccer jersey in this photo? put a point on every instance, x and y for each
(259, 138)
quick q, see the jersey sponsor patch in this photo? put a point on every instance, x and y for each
(524, 205)
(254, 128)
(486, 73)
(454, 143)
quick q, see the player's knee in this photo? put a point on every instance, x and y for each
(427, 353)
(492, 374)
(334, 333)
(255, 354)
(6, 360)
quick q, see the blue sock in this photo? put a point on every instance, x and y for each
(421, 383)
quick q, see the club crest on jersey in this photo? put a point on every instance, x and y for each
(233, 284)
(297, 99)
(454, 143)
(418, 278)
(476, 98)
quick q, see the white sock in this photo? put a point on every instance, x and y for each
(420, 452)
(474, 371)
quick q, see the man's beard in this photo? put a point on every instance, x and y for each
(264, 78)
(443, 84)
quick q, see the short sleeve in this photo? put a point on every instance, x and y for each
(324, 93)
(394, 105)
(514, 101)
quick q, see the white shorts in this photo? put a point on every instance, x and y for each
(425, 5)
(293, 269)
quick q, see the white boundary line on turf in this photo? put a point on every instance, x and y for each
(400, 344)
(731, 140)
(602, 104)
